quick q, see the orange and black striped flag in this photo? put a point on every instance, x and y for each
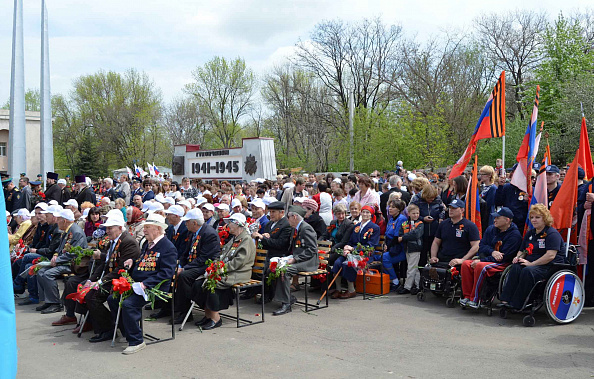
(473, 205)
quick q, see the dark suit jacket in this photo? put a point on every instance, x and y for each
(280, 238)
(86, 194)
(53, 192)
(343, 234)
(127, 249)
(364, 236)
(305, 245)
(386, 195)
(156, 264)
(180, 239)
(208, 247)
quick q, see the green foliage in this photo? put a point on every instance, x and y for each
(32, 101)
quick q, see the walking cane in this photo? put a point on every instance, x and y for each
(115, 330)
(330, 285)
(86, 315)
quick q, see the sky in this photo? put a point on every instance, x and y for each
(168, 39)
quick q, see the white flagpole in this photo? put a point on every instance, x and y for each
(17, 150)
(47, 143)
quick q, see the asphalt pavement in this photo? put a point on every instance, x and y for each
(391, 336)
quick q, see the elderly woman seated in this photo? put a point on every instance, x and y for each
(23, 220)
(367, 234)
(541, 248)
(313, 218)
(238, 256)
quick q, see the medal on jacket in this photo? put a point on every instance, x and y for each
(193, 253)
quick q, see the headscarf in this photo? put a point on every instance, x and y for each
(136, 216)
(371, 210)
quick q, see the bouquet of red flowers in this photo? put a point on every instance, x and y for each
(36, 265)
(277, 268)
(359, 257)
(454, 272)
(81, 292)
(18, 251)
(224, 235)
(322, 266)
(214, 273)
(122, 286)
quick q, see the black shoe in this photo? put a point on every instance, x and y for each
(163, 312)
(211, 324)
(18, 290)
(414, 291)
(29, 301)
(105, 336)
(293, 300)
(43, 307)
(180, 319)
(285, 308)
(402, 291)
(53, 308)
(203, 321)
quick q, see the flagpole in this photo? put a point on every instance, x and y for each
(503, 153)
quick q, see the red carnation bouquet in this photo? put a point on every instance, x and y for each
(359, 257)
(215, 272)
(18, 251)
(277, 268)
(122, 287)
(224, 234)
(322, 266)
(454, 272)
(37, 264)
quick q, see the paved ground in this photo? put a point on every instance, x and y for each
(393, 336)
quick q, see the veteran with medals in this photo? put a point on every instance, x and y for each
(156, 263)
(238, 255)
(121, 247)
(204, 245)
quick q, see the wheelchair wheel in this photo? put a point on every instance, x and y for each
(450, 302)
(564, 297)
(503, 313)
(420, 296)
(489, 312)
(528, 320)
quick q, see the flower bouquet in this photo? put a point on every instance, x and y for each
(454, 272)
(215, 271)
(277, 268)
(322, 266)
(37, 264)
(18, 251)
(124, 286)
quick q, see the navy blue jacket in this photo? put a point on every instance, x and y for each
(364, 236)
(208, 247)
(156, 264)
(180, 239)
(511, 240)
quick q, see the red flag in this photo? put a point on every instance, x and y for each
(566, 199)
(585, 155)
(491, 124)
(473, 205)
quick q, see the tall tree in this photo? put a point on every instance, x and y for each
(184, 122)
(224, 91)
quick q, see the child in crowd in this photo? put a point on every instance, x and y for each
(411, 235)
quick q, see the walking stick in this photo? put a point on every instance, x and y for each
(330, 285)
(115, 330)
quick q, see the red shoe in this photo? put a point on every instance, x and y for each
(65, 320)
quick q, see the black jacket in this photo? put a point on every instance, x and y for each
(317, 223)
(127, 248)
(156, 264)
(86, 194)
(280, 237)
(180, 239)
(386, 195)
(208, 247)
(53, 192)
(54, 238)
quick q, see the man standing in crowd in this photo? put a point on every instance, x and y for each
(52, 191)
(85, 193)
(136, 190)
(553, 185)
(176, 231)
(14, 197)
(65, 193)
(109, 191)
(515, 199)
(290, 194)
(395, 183)
(26, 192)
(123, 187)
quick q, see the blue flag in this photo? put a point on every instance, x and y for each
(8, 346)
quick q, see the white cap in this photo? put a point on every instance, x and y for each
(337, 180)
(399, 163)
(145, 206)
(288, 185)
(32, 214)
(194, 214)
(177, 195)
(169, 200)
(23, 212)
(85, 213)
(62, 181)
(175, 210)
(206, 192)
(72, 203)
(42, 206)
(298, 200)
(223, 206)
(411, 177)
(112, 213)
(52, 209)
(268, 199)
(200, 200)
(115, 219)
(53, 202)
(259, 203)
(160, 198)
(235, 203)
(7, 214)
(155, 206)
(260, 180)
(66, 214)
(156, 219)
(236, 218)
(185, 203)
(208, 206)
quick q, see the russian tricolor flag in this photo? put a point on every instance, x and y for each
(527, 153)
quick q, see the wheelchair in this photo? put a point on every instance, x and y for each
(487, 294)
(442, 280)
(561, 292)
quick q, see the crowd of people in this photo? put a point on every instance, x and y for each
(156, 229)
